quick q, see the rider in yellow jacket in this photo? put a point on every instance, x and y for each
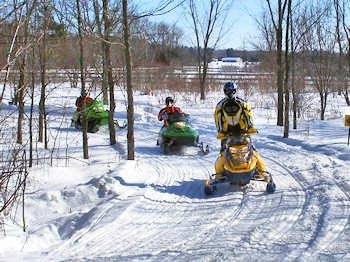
(233, 117)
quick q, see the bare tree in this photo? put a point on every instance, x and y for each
(287, 68)
(82, 80)
(278, 27)
(342, 28)
(13, 41)
(13, 178)
(108, 66)
(32, 93)
(266, 33)
(321, 43)
(346, 27)
(292, 64)
(103, 43)
(42, 61)
(302, 21)
(130, 109)
(208, 22)
(22, 84)
(11, 11)
(163, 38)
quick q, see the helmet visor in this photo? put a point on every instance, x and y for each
(169, 101)
(230, 89)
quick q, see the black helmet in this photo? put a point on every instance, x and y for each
(169, 100)
(230, 89)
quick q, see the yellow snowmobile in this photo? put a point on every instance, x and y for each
(238, 164)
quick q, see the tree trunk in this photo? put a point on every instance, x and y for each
(104, 65)
(199, 52)
(46, 140)
(346, 96)
(7, 70)
(31, 118)
(82, 80)
(278, 27)
(42, 104)
(107, 56)
(292, 64)
(203, 80)
(323, 106)
(200, 70)
(21, 92)
(346, 93)
(340, 76)
(295, 110)
(279, 77)
(205, 28)
(204, 72)
(42, 59)
(286, 79)
(130, 110)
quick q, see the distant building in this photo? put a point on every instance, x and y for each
(227, 63)
(237, 60)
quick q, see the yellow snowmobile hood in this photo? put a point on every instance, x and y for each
(242, 167)
(240, 159)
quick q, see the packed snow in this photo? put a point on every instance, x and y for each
(154, 208)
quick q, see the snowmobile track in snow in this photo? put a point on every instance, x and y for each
(157, 210)
(181, 221)
(172, 219)
(321, 231)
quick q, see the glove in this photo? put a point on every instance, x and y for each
(221, 135)
(252, 131)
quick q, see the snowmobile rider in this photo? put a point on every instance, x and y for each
(79, 102)
(233, 118)
(169, 109)
(232, 115)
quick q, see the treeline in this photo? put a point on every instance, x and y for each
(153, 44)
(305, 40)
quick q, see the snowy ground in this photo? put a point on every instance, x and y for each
(154, 208)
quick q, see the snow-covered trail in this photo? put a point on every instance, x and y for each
(154, 208)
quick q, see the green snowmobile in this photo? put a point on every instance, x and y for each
(178, 133)
(96, 114)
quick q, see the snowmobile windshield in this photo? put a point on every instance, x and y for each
(239, 149)
(97, 106)
(243, 149)
(178, 117)
(240, 153)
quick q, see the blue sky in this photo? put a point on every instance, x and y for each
(242, 27)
